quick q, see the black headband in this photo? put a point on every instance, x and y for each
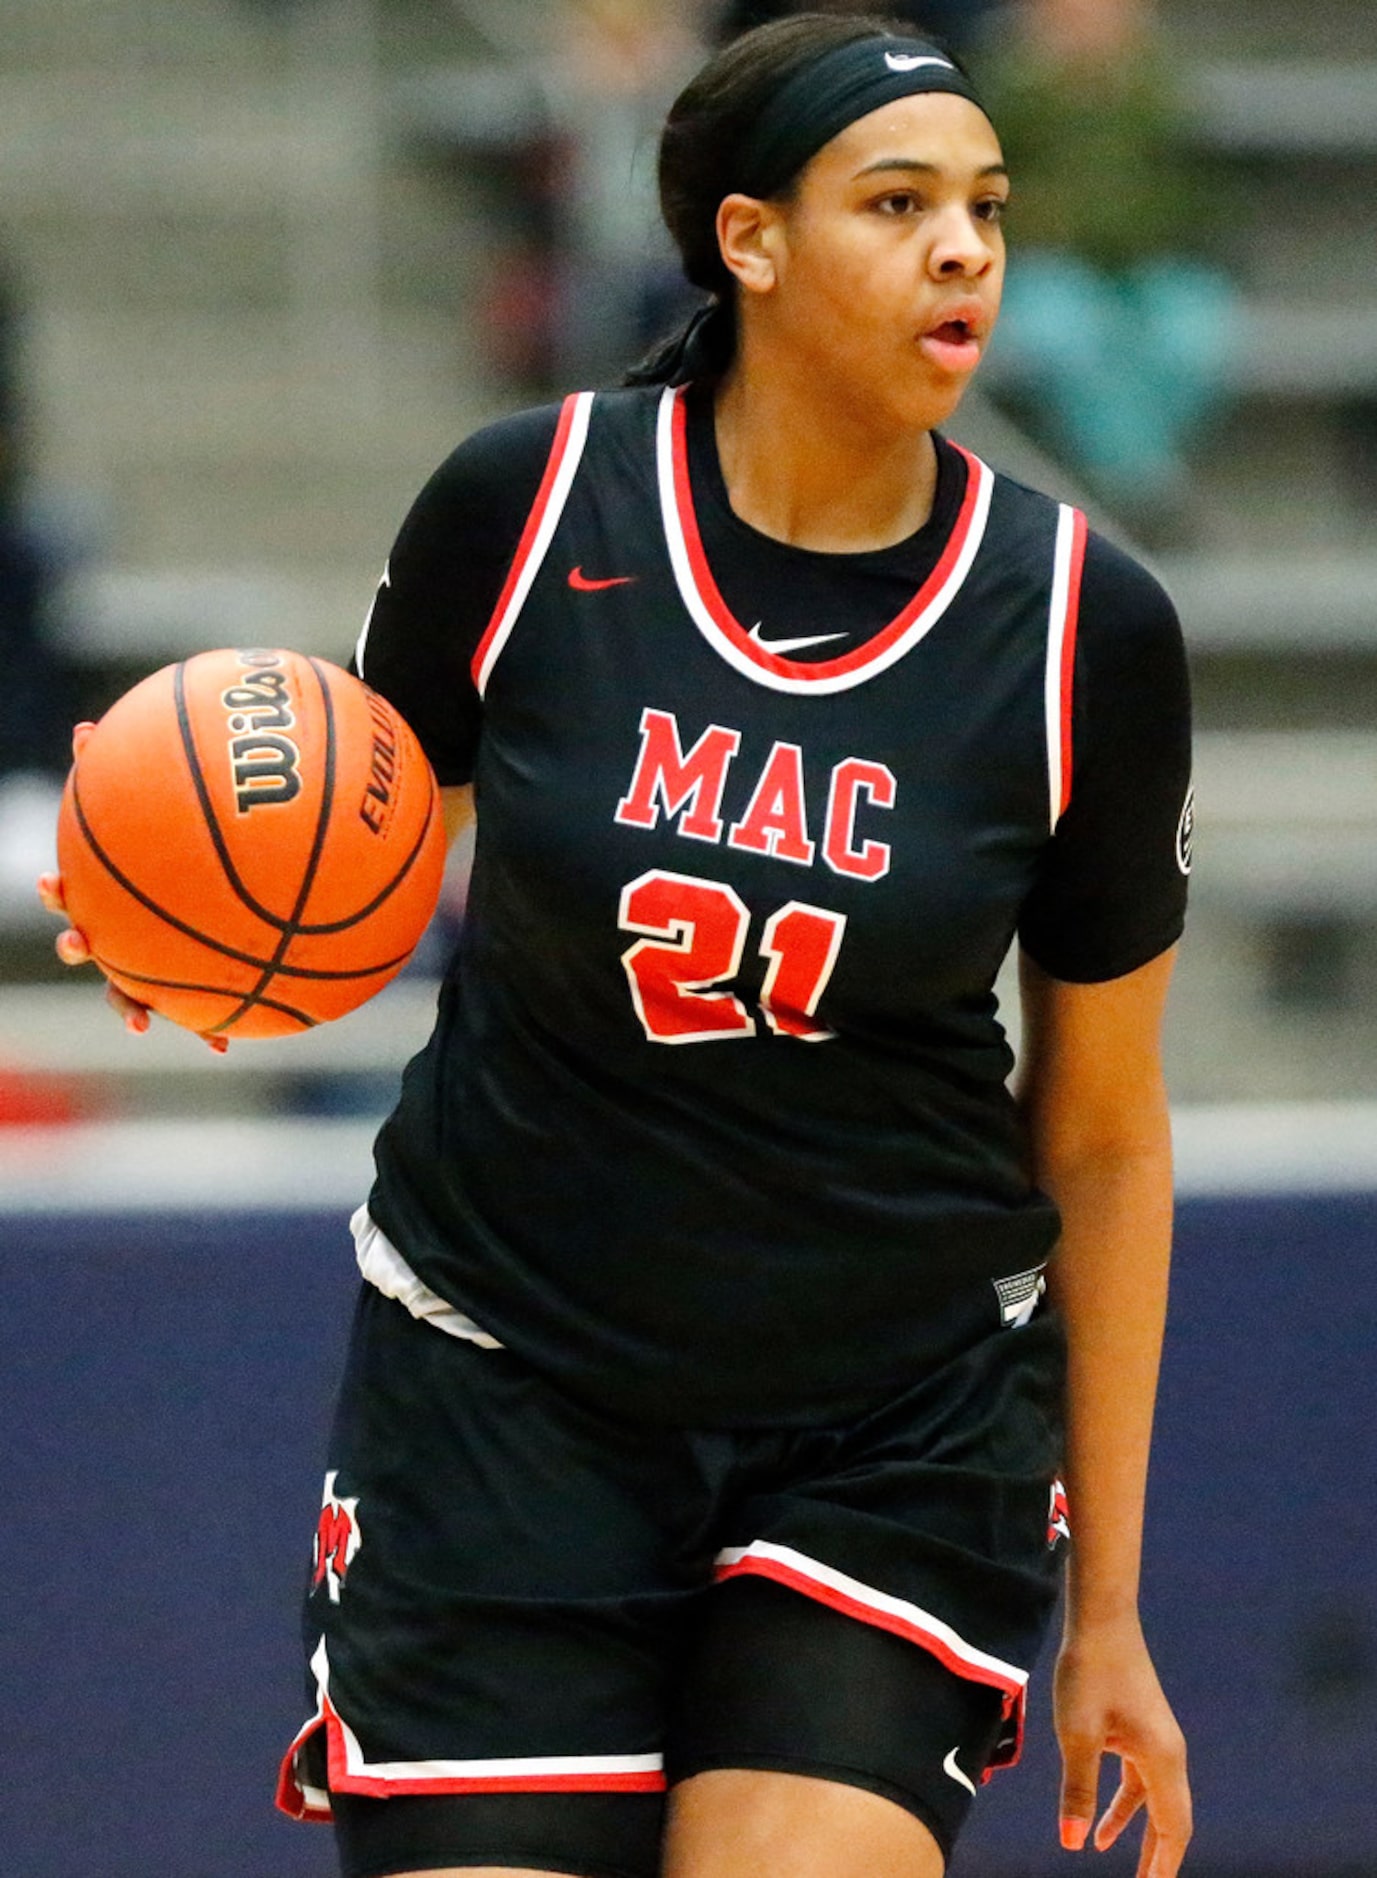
(832, 91)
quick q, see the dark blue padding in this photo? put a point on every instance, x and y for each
(164, 1386)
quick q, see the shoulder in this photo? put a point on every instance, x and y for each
(1128, 634)
(492, 475)
(484, 490)
(1118, 587)
(1119, 598)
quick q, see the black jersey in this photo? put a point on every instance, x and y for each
(715, 1113)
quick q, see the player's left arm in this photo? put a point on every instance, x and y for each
(1097, 934)
(1092, 1089)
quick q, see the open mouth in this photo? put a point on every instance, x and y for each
(954, 345)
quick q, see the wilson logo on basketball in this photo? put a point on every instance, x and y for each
(265, 764)
(375, 811)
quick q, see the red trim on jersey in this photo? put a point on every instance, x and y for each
(731, 627)
(568, 410)
(1013, 1691)
(1079, 530)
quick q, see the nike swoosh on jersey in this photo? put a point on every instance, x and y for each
(949, 1766)
(910, 61)
(581, 583)
(791, 645)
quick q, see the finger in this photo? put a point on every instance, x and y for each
(1080, 1786)
(135, 1016)
(1169, 1811)
(1147, 1858)
(72, 948)
(218, 1044)
(80, 732)
(1166, 1857)
(50, 894)
(1169, 1827)
(1121, 1809)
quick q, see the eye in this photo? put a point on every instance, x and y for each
(990, 209)
(898, 202)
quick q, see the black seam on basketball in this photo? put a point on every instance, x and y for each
(327, 803)
(214, 991)
(309, 974)
(146, 900)
(212, 821)
(214, 945)
(343, 925)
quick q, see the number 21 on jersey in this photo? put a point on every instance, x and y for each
(694, 935)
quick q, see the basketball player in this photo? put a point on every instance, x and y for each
(695, 1497)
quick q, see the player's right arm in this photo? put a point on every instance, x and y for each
(443, 579)
(456, 804)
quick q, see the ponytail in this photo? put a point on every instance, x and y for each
(702, 348)
(703, 158)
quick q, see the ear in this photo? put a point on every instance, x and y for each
(749, 233)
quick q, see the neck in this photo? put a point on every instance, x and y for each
(813, 473)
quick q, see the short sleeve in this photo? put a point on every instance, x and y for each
(1110, 892)
(443, 580)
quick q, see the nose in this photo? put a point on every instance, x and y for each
(960, 246)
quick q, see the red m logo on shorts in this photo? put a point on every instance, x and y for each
(1058, 1515)
(337, 1540)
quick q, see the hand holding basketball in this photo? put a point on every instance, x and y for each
(250, 843)
(71, 946)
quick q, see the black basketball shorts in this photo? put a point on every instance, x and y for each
(527, 1619)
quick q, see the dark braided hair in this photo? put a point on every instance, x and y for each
(700, 154)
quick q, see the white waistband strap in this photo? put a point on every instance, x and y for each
(384, 1267)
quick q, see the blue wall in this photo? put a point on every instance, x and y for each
(165, 1386)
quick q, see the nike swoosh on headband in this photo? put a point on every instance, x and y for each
(791, 645)
(910, 61)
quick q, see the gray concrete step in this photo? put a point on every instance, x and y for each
(212, 36)
(1330, 29)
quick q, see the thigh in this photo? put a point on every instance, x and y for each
(881, 1599)
(780, 1683)
(735, 1824)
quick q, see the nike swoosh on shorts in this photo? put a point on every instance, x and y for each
(949, 1766)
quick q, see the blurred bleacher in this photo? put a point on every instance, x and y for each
(252, 248)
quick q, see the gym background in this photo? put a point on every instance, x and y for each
(262, 262)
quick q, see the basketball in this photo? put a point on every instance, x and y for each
(251, 842)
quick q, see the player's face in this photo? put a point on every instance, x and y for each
(890, 257)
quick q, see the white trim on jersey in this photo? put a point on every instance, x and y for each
(361, 644)
(751, 655)
(830, 1586)
(1063, 611)
(352, 1772)
(565, 455)
(383, 1266)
